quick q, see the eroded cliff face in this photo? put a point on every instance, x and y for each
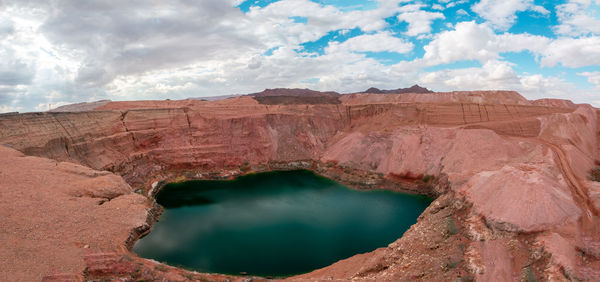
(135, 142)
(511, 174)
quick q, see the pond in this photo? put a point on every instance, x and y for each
(274, 223)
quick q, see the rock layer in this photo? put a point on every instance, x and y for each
(54, 212)
(511, 174)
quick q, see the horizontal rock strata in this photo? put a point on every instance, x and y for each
(511, 176)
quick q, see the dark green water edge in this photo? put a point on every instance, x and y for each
(274, 223)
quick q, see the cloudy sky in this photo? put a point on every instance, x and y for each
(54, 52)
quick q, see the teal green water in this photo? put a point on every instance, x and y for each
(276, 223)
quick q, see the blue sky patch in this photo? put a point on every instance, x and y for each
(349, 5)
(299, 19)
(245, 6)
(270, 51)
(312, 80)
(318, 46)
(394, 25)
(526, 64)
(535, 23)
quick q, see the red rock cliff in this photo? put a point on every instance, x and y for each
(515, 201)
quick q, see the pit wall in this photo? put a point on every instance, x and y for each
(351, 177)
(138, 143)
(141, 142)
(498, 172)
(402, 142)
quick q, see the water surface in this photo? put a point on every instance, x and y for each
(276, 223)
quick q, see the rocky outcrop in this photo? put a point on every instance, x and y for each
(139, 142)
(80, 107)
(413, 89)
(557, 103)
(294, 92)
(284, 96)
(54, 212)
(511, 174)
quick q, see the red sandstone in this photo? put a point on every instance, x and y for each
(511, 176)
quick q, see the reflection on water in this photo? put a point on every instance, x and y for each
(276, 223)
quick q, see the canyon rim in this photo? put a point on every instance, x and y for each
(510, 177)
(106, 106)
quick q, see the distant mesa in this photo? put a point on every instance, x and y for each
(294, 92)
(214, 98)
(81, 107)
(286, 96)
(275, 96)
(413, 89)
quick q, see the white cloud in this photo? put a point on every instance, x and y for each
(502, 13)
(572, 52)
(14, 71)
(539, 10)
(325, 18)
(67, 51)
(437, 7)
(451, 4)
(592, 77)
(496, 75)
(472, 41)
(577, 17)
(56, 52)
(461, 12)
(419, 21)
(8, 109)
(378, 42)
(492, 75)
(468, 41)
(41, 107)
(538, 86)
(30, 66)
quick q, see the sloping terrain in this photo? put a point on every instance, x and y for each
(510, 176)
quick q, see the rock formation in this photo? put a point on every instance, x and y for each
(510, 177)
(80, 107)
(284, 96)
(413, 89)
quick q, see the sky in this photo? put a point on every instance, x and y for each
(55, 52)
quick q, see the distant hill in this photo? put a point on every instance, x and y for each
(287, 96)
(413, 89)
(294, 92)
(80, 107)
(215, 98)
